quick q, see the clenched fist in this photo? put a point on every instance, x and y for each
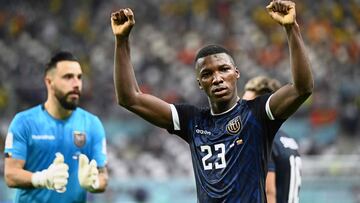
(121, 22)
(282, 11)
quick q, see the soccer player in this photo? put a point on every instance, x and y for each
(230, 142)
(48, 147)
(283, 180)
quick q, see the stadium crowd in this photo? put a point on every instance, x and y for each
(168, 34)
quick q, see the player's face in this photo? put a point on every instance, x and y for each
(217, 76)
(67, 84)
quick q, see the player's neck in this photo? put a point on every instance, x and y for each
(54, 108)
(223, 107)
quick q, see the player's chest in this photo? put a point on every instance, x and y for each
(54, 134)
(227, 130)
(218, 142)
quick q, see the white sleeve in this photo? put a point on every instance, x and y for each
(268, 110)
(175, 117)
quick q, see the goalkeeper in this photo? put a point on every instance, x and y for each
(48, 147)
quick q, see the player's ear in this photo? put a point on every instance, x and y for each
(200, 87)
(237, 72)
(48, 80)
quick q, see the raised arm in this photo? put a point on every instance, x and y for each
(288, 99)
(127, 90)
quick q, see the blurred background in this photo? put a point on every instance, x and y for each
(148, 165)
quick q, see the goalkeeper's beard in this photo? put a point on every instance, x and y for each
(65, 102)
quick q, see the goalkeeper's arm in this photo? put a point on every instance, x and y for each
(53, 178)
(91, 178)
(103, 180)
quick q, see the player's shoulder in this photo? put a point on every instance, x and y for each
(28, 113)
(25, 117)
(283, 139)
(80, 112)
(203, 113)
(190, 108)
(83, 112)
(256, 105)
(258, 100)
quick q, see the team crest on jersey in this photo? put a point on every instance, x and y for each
(79, 138)
(234, 125)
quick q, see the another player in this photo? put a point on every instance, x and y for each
(283, 180)
(48, 147)
(230, 142)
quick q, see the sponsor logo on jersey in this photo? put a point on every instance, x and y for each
(79, 138)
(234, 125)
(43, 137)
(203, 132)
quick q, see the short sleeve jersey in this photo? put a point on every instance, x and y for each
(34, 136)
(286, 163)
(229, 151)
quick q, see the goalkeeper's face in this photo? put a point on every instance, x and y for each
(67, 84)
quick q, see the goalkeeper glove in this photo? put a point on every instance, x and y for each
(53, 178)
(88, 173)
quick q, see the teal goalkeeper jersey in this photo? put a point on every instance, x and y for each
(34, 136)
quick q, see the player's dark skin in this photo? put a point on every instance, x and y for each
(216, 74)
(220, 73)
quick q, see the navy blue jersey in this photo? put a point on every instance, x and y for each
(286, 163)
(229, 151)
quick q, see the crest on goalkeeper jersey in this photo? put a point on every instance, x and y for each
(234, 125)
(79, 138)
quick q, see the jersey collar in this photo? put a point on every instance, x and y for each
(222, 113)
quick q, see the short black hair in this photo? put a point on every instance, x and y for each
(210, 50)
(59, 56)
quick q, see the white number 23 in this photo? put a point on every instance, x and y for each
(220, 161)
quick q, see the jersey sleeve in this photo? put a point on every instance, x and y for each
(261, 109)
(182, 116)
(17, 139)
(271, 164)
(99, 145)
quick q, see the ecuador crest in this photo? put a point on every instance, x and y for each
(234, 125)
(79, 138)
